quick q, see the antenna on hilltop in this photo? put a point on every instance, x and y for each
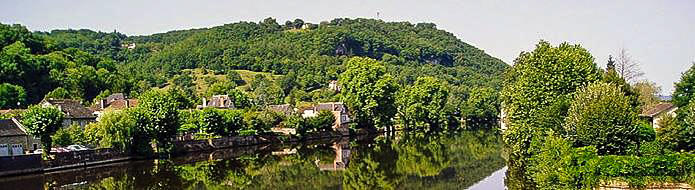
(377, 15)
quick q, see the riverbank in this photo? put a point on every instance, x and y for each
(33, 164)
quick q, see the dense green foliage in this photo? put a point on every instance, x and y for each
(11, 96)
(43, 122)
(685, 88)
(369, 92)
(544, 76)
(73, 134)
(601, 116)
(114, 130)
(572, 128)
(422, 106)
(83, 64)
(156, 119)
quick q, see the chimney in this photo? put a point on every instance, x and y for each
(102, 103)
(127, 103)
(205, 102)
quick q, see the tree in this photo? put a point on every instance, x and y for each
(11, 96)
(43, 122)
(685, 88)
(627, 67)
(541, 78)
(421, 106)
(115, 130)
(601, 116)
(324, 121)
(235, 77)
(265, 92)
(612, 77)
(648, 93)
(212, 121)
(679, 134)
(481, 106)
(368, 91)
(298, 23)
(156, 117)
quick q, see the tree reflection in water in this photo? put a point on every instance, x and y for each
(405, 161)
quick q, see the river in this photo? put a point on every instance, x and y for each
(468, 159)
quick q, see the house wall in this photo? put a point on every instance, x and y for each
(26, 142)
(77, 121)
(657, 118)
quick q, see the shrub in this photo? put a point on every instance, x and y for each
(69, 136)
(114, 130)
(601, 116)
(679, 134)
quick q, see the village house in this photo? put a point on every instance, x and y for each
(75, 113)
(653, 115)
(218, 101)
(14, 139)
(339, 112)
(113, 102)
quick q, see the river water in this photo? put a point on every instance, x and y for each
(468, 159)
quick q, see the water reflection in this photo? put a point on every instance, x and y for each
(404, 161)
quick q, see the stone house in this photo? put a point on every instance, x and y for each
(342, 117)
(114, 102)
(75, 113)
(14, 139)
(218, 101)
(653, 115)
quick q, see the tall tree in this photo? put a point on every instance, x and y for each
(648, 92)
(601, 116)
(627, 67)
(156, 117)
(42, 122)
(421, 106)
(369, 92)
(685, 88)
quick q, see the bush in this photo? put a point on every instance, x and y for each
(69, 136)
(262, 121)
(679, 134)
(114, 130)
(324, 121)
(601, 116)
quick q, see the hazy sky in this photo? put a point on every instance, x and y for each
(659, 34)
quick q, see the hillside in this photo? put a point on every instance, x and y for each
(306, 55)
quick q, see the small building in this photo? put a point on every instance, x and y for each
(218, 101)
(14, 139)
(333, 85)
(653, 115)
(75, 113)
(342, 118)
(113, 102)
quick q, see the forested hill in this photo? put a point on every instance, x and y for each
(312, 53)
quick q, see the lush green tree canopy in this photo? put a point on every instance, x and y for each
(369, 92)
(422, 105)
(602, 116)
(42, 122)
(685, 88)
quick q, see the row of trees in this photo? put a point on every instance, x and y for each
(375, 99)
(562, 107)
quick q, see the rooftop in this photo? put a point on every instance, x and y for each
(657, 109)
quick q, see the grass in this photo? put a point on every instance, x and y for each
(200, 77)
